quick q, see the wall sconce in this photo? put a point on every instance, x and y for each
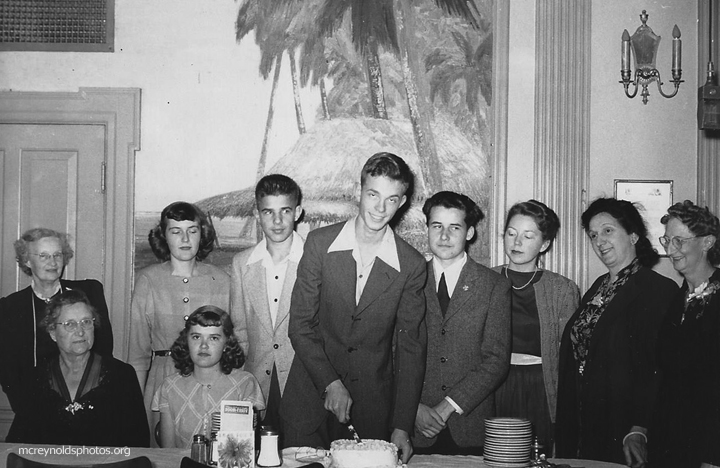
(644, 45)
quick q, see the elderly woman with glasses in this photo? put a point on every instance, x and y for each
(686, 430)
(42, 254)
(79, 397)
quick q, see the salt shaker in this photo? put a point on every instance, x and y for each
(269, 448)
(198, 449)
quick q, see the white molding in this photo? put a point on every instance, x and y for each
(562, 127)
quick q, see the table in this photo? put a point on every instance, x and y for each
(170, 458)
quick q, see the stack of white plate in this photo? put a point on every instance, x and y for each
(507, 442)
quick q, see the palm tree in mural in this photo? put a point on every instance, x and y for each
(391, 24)
(471, 65)
(270, 21)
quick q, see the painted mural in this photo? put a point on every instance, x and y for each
(409, 77)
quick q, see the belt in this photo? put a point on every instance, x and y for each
(162, 352)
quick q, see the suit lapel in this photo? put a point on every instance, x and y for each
(284, 305)
(617, 306)
(255, 277)
(381, 277)
(462, 292)
(341, 270)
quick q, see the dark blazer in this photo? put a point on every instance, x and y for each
(18, 328)
(333, 338)
(468, 350)
(111, 413)
(620, 382)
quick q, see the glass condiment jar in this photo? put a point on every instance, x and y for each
(198, 449)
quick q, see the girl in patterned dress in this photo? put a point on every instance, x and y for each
(208, 358)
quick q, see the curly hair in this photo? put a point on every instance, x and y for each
(182, 211)
(546, 219)
(22, 246)
(208, 316)
(700, 221)
(64, 299)
(627, 214)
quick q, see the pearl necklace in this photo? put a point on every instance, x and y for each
(524, 285)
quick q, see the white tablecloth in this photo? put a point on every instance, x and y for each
(170, 458)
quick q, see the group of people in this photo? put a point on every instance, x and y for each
(354, 326)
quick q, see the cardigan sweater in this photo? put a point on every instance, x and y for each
(557, 299)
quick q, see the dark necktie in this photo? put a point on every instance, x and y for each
(443, 295)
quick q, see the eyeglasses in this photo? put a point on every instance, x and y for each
(677, 242)
(72, 325)
(45, 257)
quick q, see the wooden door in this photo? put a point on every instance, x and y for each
(51, 177)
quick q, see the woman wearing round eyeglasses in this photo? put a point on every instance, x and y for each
(79, 397)
(687, 417)
(42, 254)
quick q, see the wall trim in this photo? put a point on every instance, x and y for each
(498, 163)
(562, 127)
(118, 109)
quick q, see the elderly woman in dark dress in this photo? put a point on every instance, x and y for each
(42, 254)
(608, 374)
(686, 429)
(79, 397)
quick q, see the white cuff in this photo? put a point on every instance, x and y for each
(633, 433)
(458, 410)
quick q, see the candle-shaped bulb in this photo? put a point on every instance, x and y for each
(676, 49)
(625, 51)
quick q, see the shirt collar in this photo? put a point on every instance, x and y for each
(346, 240)
(453, 269)
(260, 251)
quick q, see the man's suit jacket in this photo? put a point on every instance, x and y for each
(336, 339)
(263, 344)
(17, 352)
(468, 350)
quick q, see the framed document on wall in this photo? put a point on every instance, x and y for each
(654, 197)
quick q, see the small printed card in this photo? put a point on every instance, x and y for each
(236, 416)
(235, 443)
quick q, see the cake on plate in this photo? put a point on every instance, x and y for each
(370, 453)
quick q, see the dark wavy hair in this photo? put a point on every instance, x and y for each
(700, 221)
(208, 316)
(446, 199)
(182, 211)
(277, 185)
(390, 166)
(66, 298)
(22, 246)
(627, 214)
(546, 219)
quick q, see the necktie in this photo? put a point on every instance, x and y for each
(443, 295)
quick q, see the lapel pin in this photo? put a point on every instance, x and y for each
(465, 287)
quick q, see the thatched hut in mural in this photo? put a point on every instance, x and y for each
(326, 163)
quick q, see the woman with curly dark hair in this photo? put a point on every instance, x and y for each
(608, 374)
(686, 428)
(208, 358)
(166, 293)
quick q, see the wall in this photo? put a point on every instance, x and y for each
(628, 140)
(199, 123)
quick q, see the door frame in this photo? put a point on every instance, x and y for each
(118, 110)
